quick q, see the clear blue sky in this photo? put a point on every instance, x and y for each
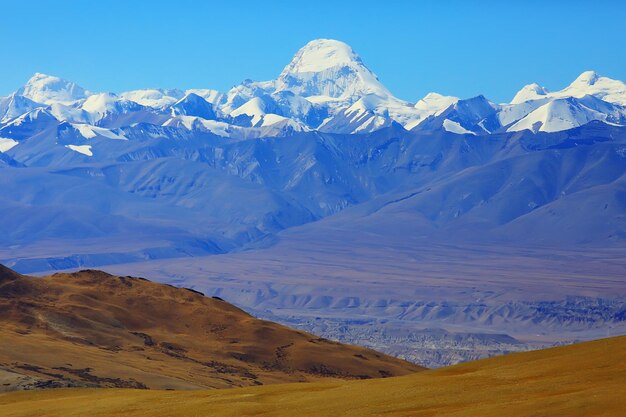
(462, 48)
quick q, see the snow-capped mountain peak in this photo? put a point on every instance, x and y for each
(586, 78)
(154, 97)
(103, 105)
(322, 54)
(210, 95)
(435, 103)
(329, 70)
(100, 103)
(193, 105)
(47, 89)
(590, 83)
(14, 106)
(255, 108)
(569, 112)
(530, 92)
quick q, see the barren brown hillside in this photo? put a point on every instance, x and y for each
(92, 329)
(588, 379)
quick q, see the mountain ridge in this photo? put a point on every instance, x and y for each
(317, 90)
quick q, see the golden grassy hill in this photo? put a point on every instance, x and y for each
(587, 379)
(92, 329)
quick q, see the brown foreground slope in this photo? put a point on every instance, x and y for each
(587, 379)
(92, 329)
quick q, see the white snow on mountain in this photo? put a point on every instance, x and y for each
(433, 104)
(330, 74)
(71, 113)
(511, 113)
(193, 105)
(268, 125)
(102, 105)
(272, 119)
(589, 97)
(530, 92)
(244, 92)
(6, 144)
(276, 125)
(14, 106)
(90, 132)
(326, 70)
(590, 83)
(255, 108)
(365, 112)
(82, 149)
(37, 119)
(455, 127)
(211, 96)
(48, 89)
(587, 83)
(155, 97)
(192, 123)
(557, 115)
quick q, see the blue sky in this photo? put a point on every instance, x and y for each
(452, 47)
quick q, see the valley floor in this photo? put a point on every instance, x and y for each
(587, 379)
(432, 303)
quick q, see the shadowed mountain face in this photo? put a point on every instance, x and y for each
(180, 197)
(92, 329)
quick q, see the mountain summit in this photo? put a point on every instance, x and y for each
(530, 92)
(329, 69)
(591, 83)
(47, 89)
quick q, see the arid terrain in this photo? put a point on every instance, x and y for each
(389, 294)
(92, 329)
(587, 379)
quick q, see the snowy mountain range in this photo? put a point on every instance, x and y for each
(94, 178)
(326, 88)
